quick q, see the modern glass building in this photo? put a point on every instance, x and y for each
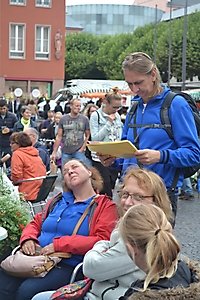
(112, 18)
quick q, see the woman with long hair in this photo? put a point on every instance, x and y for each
(151, 244)
(106, 126)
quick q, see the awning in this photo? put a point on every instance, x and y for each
(102, 95)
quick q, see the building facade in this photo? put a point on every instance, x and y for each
(32, 47)
(161, 4)
(113, 18)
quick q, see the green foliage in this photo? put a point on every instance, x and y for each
(90, 56)
(13, 215)
(81, 55)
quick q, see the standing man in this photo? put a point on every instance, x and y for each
(73, 132)
(7, 121)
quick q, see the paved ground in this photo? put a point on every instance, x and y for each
(187, 227)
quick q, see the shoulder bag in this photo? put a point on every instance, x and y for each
(22, 265)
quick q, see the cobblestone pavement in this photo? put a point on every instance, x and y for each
(187, 227)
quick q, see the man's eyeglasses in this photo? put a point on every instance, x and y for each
(12, 143)
(126, 195)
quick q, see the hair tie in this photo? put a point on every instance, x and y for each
(157, 231)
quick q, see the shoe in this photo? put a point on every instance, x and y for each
(186, 197)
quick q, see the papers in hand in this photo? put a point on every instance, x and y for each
(123, 149)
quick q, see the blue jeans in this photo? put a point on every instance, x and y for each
(187, 187)
(76, 155)
(13, 288)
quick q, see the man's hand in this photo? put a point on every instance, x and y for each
(5, 130)
(106, 160)
(147, 156)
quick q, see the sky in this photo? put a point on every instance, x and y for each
(73, 2)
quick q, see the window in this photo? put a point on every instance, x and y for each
(16, 40)
(43, 3)
(42, 42)
(18, 2)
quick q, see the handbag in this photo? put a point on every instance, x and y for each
(73, 291)
(22, 265)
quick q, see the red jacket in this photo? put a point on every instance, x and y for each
(102, 223)
(26, 163)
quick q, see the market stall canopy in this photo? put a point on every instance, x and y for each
(91, 86)
(102, 95)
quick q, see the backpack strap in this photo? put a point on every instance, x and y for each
(98, 117)
(164, 113)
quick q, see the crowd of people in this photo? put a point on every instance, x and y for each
(126, 240)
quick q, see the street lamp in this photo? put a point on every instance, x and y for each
(155, 32)
(184, 46)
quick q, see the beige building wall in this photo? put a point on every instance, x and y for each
(161, 4)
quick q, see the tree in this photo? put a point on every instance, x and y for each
(81, 52)
(90, 56)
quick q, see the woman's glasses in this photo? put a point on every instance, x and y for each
(126, 195)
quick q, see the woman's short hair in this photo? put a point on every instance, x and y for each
(96, 178)
(147, 179)
(24, 108)
(141, 62)
(113, 95)
(146, 227)
(21, 138)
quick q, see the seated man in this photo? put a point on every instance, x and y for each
(43, 153)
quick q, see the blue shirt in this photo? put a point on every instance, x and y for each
(62, 220)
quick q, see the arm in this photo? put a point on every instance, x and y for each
(16, 168)
(102, 224)
(32, 230)
(98, 133)
(57, 143)
(105, 262)
(87, 135)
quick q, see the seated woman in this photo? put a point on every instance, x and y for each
(26, 163)
(152, 246)
(54, 233)
(108, 262)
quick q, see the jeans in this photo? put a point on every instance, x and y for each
(187, 187)
(76, 155)
(13, 288)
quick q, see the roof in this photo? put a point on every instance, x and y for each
(180, 12)
(80, 86)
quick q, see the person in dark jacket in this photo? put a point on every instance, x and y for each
(58, 107)
(25, 121)
(150, 242)
(7, 121)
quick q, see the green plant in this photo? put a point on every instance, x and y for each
(14, 214)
